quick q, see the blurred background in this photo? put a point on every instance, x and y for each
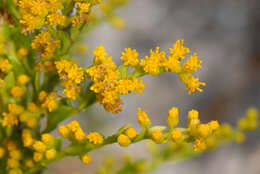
(225, 34)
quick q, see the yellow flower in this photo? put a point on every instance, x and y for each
(23, 52)
(15, 171)
(12, 163)
(47, 139)
(15, 109)
(15, 154)
(56, 19)
(130, 57)
(192, 115)
(9, 120)
(214, 125)
(95, 138)
(32, 122)
(64, 131)
(137, 85)
(23, 79)
(31, 22)
(17, 92)
(84, 7)
(176, 134)
(38, 8)
(2, 152)
(179, 50)
(27, 138)
(73, 126)
(50, 154)
(192, 64)
(44, 43)
(173, 64)
(204, 130)
(37, 156)
(32, 107)
(131, 133)
(250, 121)
(42, 96)
(80, 135)
(72, 76)
(153, 64)
(191, 82)
(173, 117)
(29, 163)
(86, 159)
(39, 146)
(199, 145)
(50, 102)
(157, 136)
(143, 119)
(11, 145)
(123, 140)
(5, 66)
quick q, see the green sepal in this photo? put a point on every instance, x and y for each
(122, 129)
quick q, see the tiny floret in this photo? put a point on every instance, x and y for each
(123, 140)
(143, 119)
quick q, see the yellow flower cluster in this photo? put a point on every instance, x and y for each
(250, 121)
(39, 13)
(5, 65)
(18, 113)
(43, 42)
(157, 63)
(200, 132)
(71, 76)
(18, 91)
(11, 118)
(154, 63)
(126, 138)
(14, 155)
(44, 148)
(49, 101)
(73, 132)
(196, 131)
(107, 83)
(82, 11)
(130, 57)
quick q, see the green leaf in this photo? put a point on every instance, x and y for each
(57, 116)
(58, 143)
(9, 80)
